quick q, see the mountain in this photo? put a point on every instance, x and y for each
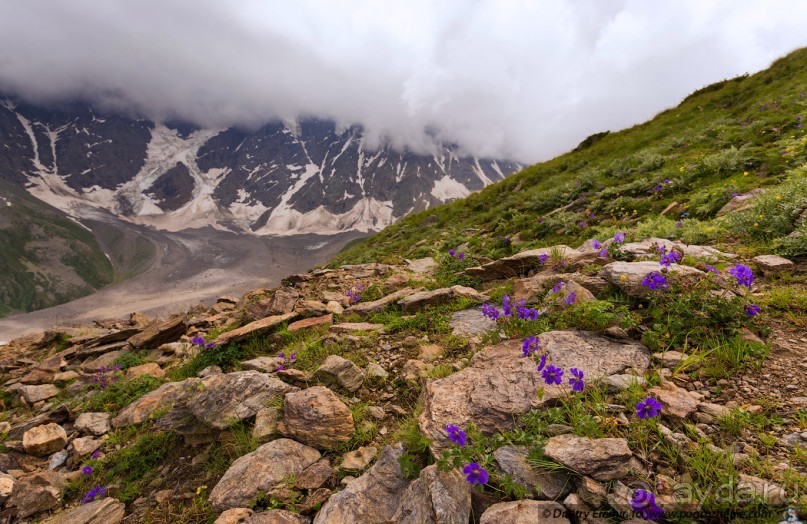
(283, 179)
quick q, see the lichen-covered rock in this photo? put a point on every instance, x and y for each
(600, 458)
(317, 417)
(44, 440)
(628, 276)
(340, 371)
(435, 497)
(265, 470)
(93, 423)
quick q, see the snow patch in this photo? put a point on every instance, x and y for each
(449, 189)
(368, 214)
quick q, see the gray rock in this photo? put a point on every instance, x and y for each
(262, 364)
(741, 202)
(435, 497)
(533, 289)
(266, 470)
(159, 334)
(359, 459)
(424, 299)
(277, 516)
(373, 497)
(315, 476)
(258, 327)
(773, 264)
(36, 492)
(422, 266)
(471, 323)
(93, 423)
(34, 394)
(520, 263)
(525, 512)
(376, 371)
(602, 458)
(102, 511)
(367, 308)
(351, 327)
(340, 371)
(512, 460)
(58, 459)
(628, 276)
(617, 383)
(768, 491)
(266, 420)
(317, 417)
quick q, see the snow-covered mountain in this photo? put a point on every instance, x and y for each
(282, 179)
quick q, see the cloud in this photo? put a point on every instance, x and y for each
(506, 78)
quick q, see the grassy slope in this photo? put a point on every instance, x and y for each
(45, 258)
(703, 147)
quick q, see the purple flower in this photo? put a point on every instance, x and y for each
(648, 408)
(456, 435)
(198, 341)
(655, 281)
(743, 274)
(461, 255)
(210, 345)
(583, 224)
(527, 313)
(96, 492)
(293, 357)
(452, 252)
(619, 237)
(541, 363)
(96, 454)
(657, 188)
(670, 258)
(86, 471)
(557, 287)
(281, 356)
(603, 252)
(355, 296)
(644, 503)
(530, 345)
(712, 269)
(577, 381)
(751, 310)
(280, 367)
(596, 244)
(543, 259)
(475, 474)
(506, 306)
(679, 224)
(506, 240)
(684, 215)
(571, 298)
(489, 311)
(552, 375)
(666, 181)
(360, 287)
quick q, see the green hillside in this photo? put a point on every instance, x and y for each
(727, 138)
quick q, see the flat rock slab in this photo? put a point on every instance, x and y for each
(351, 327)
(367, 308)
(628, 276)
(675, 401)
(34, 394)
(650, 248)
(423, 299)
(519, 264)
(265, 470)
(316, 417)
(309, 323)
(422, 266)
(102, 511)
(258, 327)
(533, 289)
(599, 458)
(470, 323)
(435, 497)
(547, 485)
(373, 497)
(772, 264)
(525, 512)
(158, 334)
(499, 384)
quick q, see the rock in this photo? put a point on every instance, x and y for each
(310, 323)
(617, 383)
(430, 352)
(422, 266)
(525, 512)
(159, 400)
(315, 476)
(35, 493)
(413, 370)
(58, 459)
(570, 289)
(65, 376)
(520, 263)
(158, 334)
(334, 307)
(368, 308)
(265, 424)
(435, 497)
(34, 394)
(37, 376)
(670, 359)
(396, 281)
(84, 446)
(650, 248)
(675, 401)
(714, 410)
(151, 369)
(499, 384)
(335, 296)
(311, 308)
(337, 370)
(601, 459)
(635, 272)
(44, 440)
(265, 470)
(773, 264)
(375, 371)
(282, 302)
(317, 417)
(358, 459)
(373, 497)
(533, 289)
(740, 202)
(93, 423)
(278, 516)
(592, 492)
(351, 327)
(102, 511)
(771, 493)
(6, 486)
(471, 323)
(234, 516)
(512, 460)
(262, 364)
(105, 360)
(259, 327)
(59, 415)
(424, 299)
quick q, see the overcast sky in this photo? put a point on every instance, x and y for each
(514, 79)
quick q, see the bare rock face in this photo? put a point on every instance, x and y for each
(44, 440)
(34, 394)
(525, 512)
(741, 202)
(359, 459)
(315, 476)
(572, 293)
(311, 323)
(266, 470)
(93, 423)
(675, 401)
(601, 458)
(628, 276)
(102, 511)
(340, 371)
(435, 497)
(317, 417)
(35, 493)
(512, 460)
(373, 497)
(499, 384)
(162, 398)
(772, 264)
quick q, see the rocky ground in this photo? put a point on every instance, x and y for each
(388, 394)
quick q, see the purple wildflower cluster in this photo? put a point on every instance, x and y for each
(743, 274)
(751, 310)
(576, 380)
(596, 244)
(355, 295)
(557, 287)
(571, 298)
(106, 376)
(553, 375)
(510, 309)
(94, 493)
(712, 269)
(86, 471)
(655, 281)
(474, 473)
(619, 237)
(644, 503)
(199, 341)
(283, 362)
(543, 259)
(648, 408)
(459, 255)
(668, 259)
(529, 346)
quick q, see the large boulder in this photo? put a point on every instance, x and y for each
(436, 496)
(317, 417)
(259, 327)
(548, 485)
(36, 492)
(340, 371)
(525, 512)
(520, 263)
(160, 400)
(423, 299)
(265, 470)
(44, 440)
(499, 384)
(34, 394)
(102, 511)
(628, 276)
(93, 423)
(599, 458)
(373, 497)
